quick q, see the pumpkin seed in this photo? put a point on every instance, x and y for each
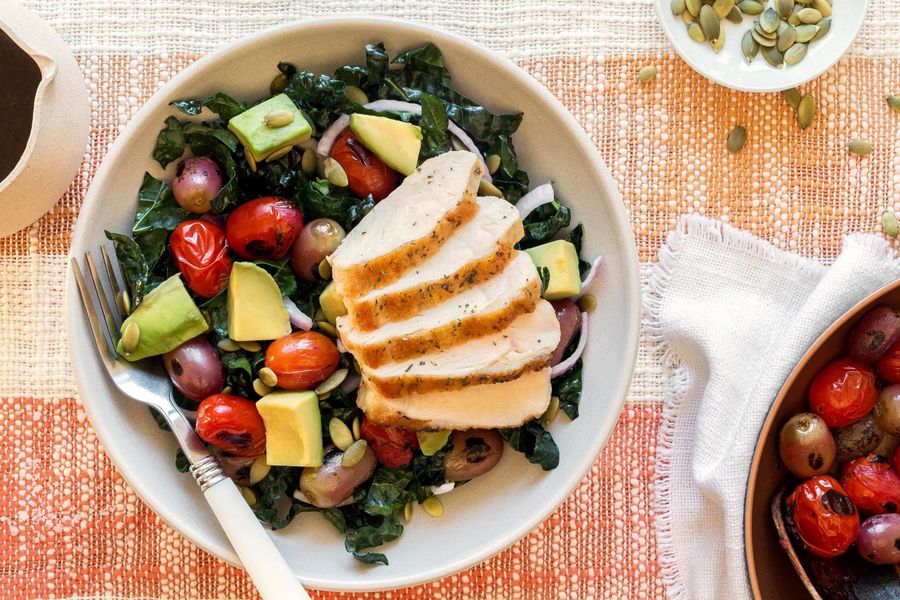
(283, 151)
(354, 453)
(860, 147)
(795, 54)
(259, 468)
(324, 269)
(806, 111)
(260, 388)
(354, 94)
(336, 379)
(408, 511)
(327, 328)
(773, 56)
(587, 303)
(645, 74)
(751, 7)
(723, 7)
(696, 33)
(278, 84)
(768, 20)
(268, 376)
(228, 345)
(227, 390)
(335, 173)
(719, 42)
(340, 433)
(890, 224)
(736, 139)
(709, 22)
(823, 7)
(551, 412)
(686, 17)
(792, 95)
(486, 188)
(131, 337)
(770, 35)
(794, 20)
(805, 32)
(123, 301)
(749, 46)
(786, 39)
(278, 118)
(247, 494)
(309, 163)
(251, 162)
(761, 39)
(250, 346)
(784, 8)
(433, 507)
(824, 28)
(894, 102)
(735, 15)
(357, 432)
(677, 7)
(809, 15)
(693, 7)
(493, 163)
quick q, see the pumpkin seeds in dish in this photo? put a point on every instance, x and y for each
(692, 7)
(785, 8)
(773, 56)
(723, 7)
(735, 15)
(809, 15)
(719, 42)
(823, 7)
(860, 147)
(751, 7)
(805, 32)
(696, 33)
(677, 7)
(761, 39)
(795, 54)
(824, 28)
(786, 39)
(769, 20)
(736, 139)
(749, 46)
(709, 22)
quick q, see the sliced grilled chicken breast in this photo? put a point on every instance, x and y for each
(489, 405)
(475, 253)
(408, 226)
(475, 312)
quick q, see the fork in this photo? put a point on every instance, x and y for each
(148, 383)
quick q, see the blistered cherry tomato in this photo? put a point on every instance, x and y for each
(232, 424)
(263, 228)
(843, 392)
(896, 459)
(366, 172)
(871, 483)
(824, 516)
(302, 359)
(198, 248)
(888, 366)
(394, 446)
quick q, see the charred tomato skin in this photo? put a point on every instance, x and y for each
(303, 359)
(843, 392)
(872, 485)
(232, 424)
(394, 446)
(823, 516)
(199, 250)
(366, 173)
(264, 228)
(888, 366)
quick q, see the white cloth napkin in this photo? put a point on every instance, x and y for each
(733, 314)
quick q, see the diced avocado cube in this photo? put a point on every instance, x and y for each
(255, 308)
(432, 441)
(166, 318)
(561, 259)
(397, 143)
(261, 137)
(293, 429)
(332, 303)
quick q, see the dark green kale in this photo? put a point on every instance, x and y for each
(536, 443)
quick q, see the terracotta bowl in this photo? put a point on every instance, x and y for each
(770, 570)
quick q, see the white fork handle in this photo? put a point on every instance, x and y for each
(262, 560)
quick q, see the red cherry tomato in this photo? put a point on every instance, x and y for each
(302, 359)
(888, 366)
(843, 392)
(896, 459)
(366, 172)
(263, 228)
(198, 248)
(231, 423)
(394, 446)
(871, 483)
(823, 516)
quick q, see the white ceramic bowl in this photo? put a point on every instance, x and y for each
(729, 68)
(483, 517)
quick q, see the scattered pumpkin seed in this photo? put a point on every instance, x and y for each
(805, 32)
(283, 151)
(784, 7)
(761, 39)
(709, 22)
(890, 224)
(335, 173)
(751, 7)
(278, 84)
(551, 412)
(693, 7)
(723, 7)
(677, 7)
(645, 74)
(354, 453)
(268, 376)
(324, 269)
(248, 495)
(354, 94)
(123, 301)
(823, 7)
(773, 56)
(340, 433)
(824, 28)
(493, 163)
(795, 54)
(735, 15)
(719, 42)
(736, 139)
(749, 46)
(357, 431)
(860, 147)
(327, 328)
(786, 39)
(228, 345)
(806, 111)
(131, 337)
(408, 511)
(809, 15)
(227, 389)
(792, 95)
(769, 20)
(260, 388)
(894, 102)
(433, 507)
(696, 33)
(278, 118)
(486, 188)
(250, 346)
(259, 468)
(587, 303)
(336, 379)
(309, 163)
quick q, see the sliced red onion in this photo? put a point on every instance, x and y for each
(570, 362)
(589, 278)
(350, 383)
(299, 319)
(326, 141)
(437, 490)
(298, 495)
(394, 106)
(469, 143)
(539, 196)
(340, 346)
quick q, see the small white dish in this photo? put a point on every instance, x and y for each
(487, 515)
(729, 68)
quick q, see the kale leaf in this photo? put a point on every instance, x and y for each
(220, 103)
(277, 488)
(387, 493)
(134, 266)
(169, 143)
(567, 388)
(157, 214)
(216, 309)
(319, 199)
(281, 272)
(544, 222)
(532, 440)
(433, 123)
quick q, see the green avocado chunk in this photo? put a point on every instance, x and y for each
(261, 136)
(332, 303)
(561, 258)
(166, 318)
(255, 308)
(397, 143)
(293, 429)
(432, 441)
